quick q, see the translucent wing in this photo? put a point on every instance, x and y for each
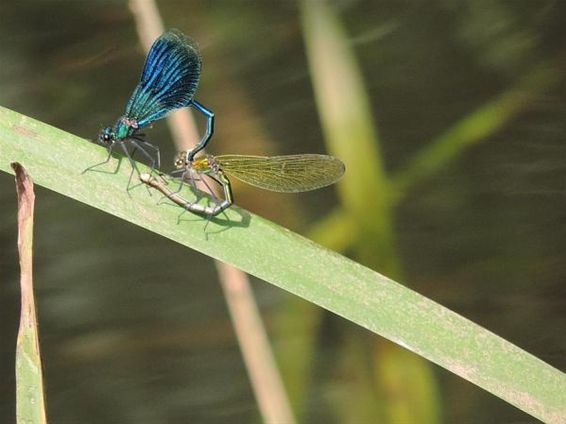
(169, 79)
(287, 174)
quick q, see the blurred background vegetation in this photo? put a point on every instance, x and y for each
(450, 118)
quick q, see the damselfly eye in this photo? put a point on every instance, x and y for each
(106, 136)
(181, 160)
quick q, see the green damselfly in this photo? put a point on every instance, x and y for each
(285, 174)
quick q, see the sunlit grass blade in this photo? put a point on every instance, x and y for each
(286, 174)
(274, 254)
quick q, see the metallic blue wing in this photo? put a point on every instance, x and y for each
(169, 79)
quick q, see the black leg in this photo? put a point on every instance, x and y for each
(132, 162)
(211, 190)
(145, 153)
(110, 151)
(148, 145)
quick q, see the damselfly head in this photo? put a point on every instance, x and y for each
(106, 136)
(181, 160)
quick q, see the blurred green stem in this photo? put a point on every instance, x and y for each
(474, 128)
(258, 357)
(348, 125)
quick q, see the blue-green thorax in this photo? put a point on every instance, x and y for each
(125, 128)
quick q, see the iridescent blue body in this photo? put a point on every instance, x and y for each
(169, 81)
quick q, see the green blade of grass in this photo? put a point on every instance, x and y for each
(56, 159)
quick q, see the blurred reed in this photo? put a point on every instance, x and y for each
(254, 344)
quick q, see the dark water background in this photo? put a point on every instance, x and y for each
(134, 328)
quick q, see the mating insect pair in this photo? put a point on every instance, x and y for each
(169, 81)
